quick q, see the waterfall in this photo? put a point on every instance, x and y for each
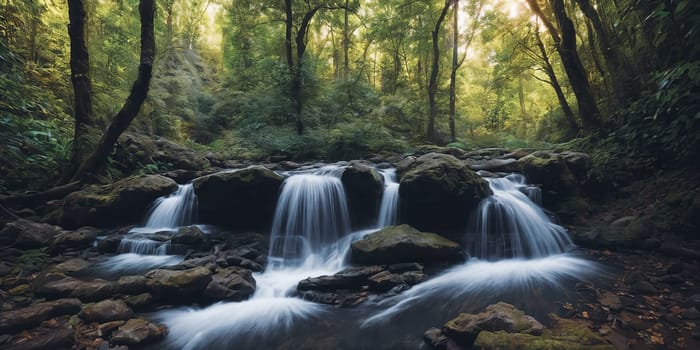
(176, 209)
(311, 215)
(509, 224)
(143, 246)
(388, 209)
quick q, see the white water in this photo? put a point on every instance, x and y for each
(388, 209)
(310, 237)
(174, 210)
(509, 224)
(311, 215)
(487, 279)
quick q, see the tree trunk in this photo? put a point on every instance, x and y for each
(554, 82)
(432, 84)
(611, 56)
(288, 24)
(588, 110)
(97, 160)
(80, 77)
(453, 73)
(346, 44)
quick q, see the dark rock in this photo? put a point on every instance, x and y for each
(405, 267)
(693, 301)
(231, 283)
(341, 298)
(691, 314)
(439, 341)
(31, 316)
(244, 263)
(139, 301)
(138, 331)
(105, 329)
(404, 165)
(191, 236)
(182, 176)
(250, 195)
(93, 290)
(549, 170)
(644, 287)
(178, 285)
(399, 244)
(508, 165)
(437, 191)
(363, 188)
(124, 201)
(131, 285)
(79, 239)
(106, 311)
(354, 278)
(518, 153)
(579, 163)
(72, 266)
(497, 317)
(110, 243)
(27, 234)
(385, 281)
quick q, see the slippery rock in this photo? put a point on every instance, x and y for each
(497, 317)
(232, 283)
(25, 234)
(106, 311)
(178, 285)
(399, 244)
(138, 331)
(33, 315)
(438, 190)
(122, 202)
(364, 188)
(250, 195)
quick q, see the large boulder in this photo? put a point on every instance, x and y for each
(120, 203)
(550, 170)
(497, 317)
(28, 234)
(33, 315)
(438, 192)
(243, 199)
(178, 285)
(364, 188)
(135, 149)
(399, 244)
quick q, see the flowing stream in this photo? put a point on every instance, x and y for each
(514, 246)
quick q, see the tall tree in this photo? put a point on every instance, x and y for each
(564, 38)
(434, 69)
(80, 77)
(97, 160)
(296, 69)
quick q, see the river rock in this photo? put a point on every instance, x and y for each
(353, 278)
(437, 191)
(140, 301)
(106, 311)
(231, 283)
(244, 198)
(363, 188)
(551, 171)
(31, 316)
(386, 281)
(507, 165)
(138, 331)
(72, 266)
(399, 244)
(79, 239)
(579, 163)
(122, 202)
(27, 234)
(131, 285)
(178, 285)
(497, 317)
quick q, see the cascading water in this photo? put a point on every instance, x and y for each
(509, 224)
(174, 210)
(311, 216)
(388, 209)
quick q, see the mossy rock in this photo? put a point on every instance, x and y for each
(437, 191)
(363, 188)
(551, 171)
(399, 244)
(122, 202)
